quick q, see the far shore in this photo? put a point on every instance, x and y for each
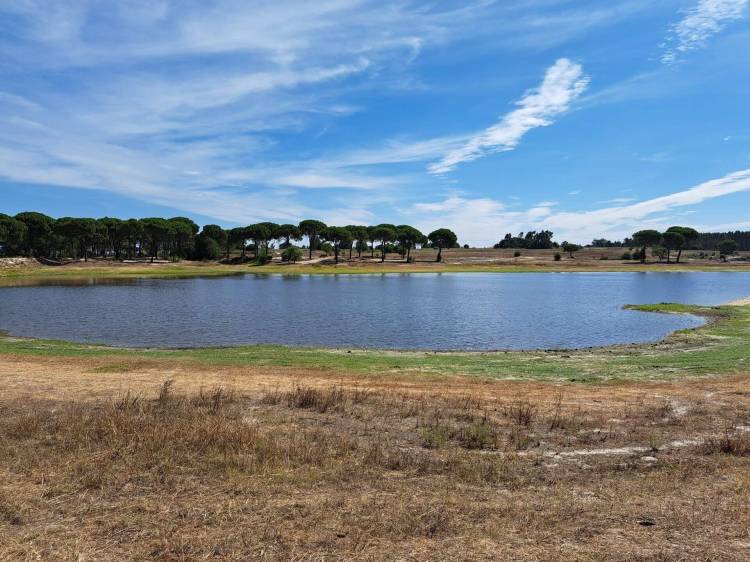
(459, 260)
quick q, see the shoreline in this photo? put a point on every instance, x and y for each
(718, 347)
(10, 277)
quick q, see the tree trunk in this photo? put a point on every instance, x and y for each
(679, 253)
(643, 254)
(311, 245)
(440, 254)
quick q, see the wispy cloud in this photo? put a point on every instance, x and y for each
(484, 221)
(700, 23)
(563, 83)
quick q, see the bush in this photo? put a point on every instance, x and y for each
(517, 253)
(603, 258)
(206, 248)
(626, 256)
(558, 257)
(291, 254)
(263, 259)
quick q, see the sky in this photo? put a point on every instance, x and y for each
(589, 118)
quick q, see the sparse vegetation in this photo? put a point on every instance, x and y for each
(347, 468)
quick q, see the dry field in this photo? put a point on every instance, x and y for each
(145, 459)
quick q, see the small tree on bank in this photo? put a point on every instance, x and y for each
(287, 232)
(646, 238)
(690, 236)
(672, 240)
(727, 248)
(409, 237)
(312, 229)
(339, 237)
(385, 233)
(442, 238)
(570, 248)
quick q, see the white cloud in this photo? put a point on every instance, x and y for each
(563, 82)
(485, 221)
(700, 23)
(617, 201)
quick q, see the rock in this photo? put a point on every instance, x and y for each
(646, 521)
(649, 459)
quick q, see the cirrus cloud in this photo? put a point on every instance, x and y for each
(563, 82)
(701, 22)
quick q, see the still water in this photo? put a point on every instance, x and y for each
(472, 311)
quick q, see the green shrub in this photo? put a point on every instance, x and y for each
(291, 254)
(558, 257)
(626, 256)
(206, 248)
(517, 253)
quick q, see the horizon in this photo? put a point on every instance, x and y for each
(486, 118)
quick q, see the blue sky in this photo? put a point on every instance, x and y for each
(589, 118)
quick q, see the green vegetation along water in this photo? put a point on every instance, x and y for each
(720, 347)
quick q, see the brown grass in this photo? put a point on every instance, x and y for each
(239, 464)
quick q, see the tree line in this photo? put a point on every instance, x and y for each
(676, 239)
(34, 234)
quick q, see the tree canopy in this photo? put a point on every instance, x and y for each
(442, 238)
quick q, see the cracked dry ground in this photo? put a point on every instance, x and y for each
(103, 461)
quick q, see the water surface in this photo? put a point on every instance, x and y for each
(470, 311)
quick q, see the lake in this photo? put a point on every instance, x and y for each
(447, 311)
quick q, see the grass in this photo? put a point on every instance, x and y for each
(347, 471)
(720, 347)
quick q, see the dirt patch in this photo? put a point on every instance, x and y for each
(17, 263)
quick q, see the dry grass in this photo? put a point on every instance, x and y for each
(291, 465)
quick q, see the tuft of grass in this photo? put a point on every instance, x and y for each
(729, 443)
(521, 412)
(479, 435)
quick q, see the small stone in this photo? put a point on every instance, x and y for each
(648, 459)
(646, 521)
